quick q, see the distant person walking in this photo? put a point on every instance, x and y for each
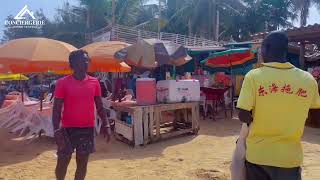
(279, 96)
(77, 95)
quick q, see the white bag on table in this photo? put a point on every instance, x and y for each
(238, 169)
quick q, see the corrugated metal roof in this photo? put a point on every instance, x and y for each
(310, 33)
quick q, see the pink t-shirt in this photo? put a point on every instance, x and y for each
(78, 96)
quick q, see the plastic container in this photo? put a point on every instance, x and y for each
(146, 91)
(167, 91)
(171, 91)
(188, 90)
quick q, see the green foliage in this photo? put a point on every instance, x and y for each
(302, 8)
(238, 18)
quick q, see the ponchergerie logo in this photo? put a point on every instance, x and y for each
(24, 19)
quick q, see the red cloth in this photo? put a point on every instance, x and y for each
(78, 99)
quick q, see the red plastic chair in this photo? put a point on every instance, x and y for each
(214, 97)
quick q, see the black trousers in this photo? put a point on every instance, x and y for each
(260, 172)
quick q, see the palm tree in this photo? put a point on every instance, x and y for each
(303, 7)
(128, 11)
(95, 12)
(202, 17)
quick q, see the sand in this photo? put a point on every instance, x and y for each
(203, 157)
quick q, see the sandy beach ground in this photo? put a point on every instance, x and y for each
(204, 157)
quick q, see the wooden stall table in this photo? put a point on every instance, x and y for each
(147, 123)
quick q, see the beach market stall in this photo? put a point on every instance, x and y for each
(162, 109)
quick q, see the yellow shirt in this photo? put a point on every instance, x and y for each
(280, 96)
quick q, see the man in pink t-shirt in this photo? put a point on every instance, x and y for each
(74, 106)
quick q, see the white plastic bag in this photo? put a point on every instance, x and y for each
(238, 169)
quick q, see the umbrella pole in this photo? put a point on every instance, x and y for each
(22, 90)
(41, 94)
(174, 72)
(232, 88)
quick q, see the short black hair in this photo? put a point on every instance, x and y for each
(77, 54)
(275, 47)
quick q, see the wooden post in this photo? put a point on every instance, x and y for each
(146, 112)
(41, 93)
(157, 115)
(197, 115)
(194, 116)
(137, 127)
(151, 123)
(302, 53)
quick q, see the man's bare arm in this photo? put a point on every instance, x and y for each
(101, 111)
(245, 116)
(56, 114)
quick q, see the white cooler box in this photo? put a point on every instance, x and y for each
(172, 91)
(188, 90)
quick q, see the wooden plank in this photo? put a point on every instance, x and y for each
(128, 109)
(194, 116)
(168, 107)
(157, 115)
(177, 117)
(175, 133)
(197, 115)
(151, 123)
(168, 124)
(137, 126)
(123, 129)
(185, 115)
(145, 125)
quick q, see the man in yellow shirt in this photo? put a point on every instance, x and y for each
(275, 99)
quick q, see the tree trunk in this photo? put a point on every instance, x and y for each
(113, 12)
(88, 20)
(304, 12)
(189, 27)
(159, 18)
(215, 24)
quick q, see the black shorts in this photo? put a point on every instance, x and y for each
(81, 139)
(260, 172)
